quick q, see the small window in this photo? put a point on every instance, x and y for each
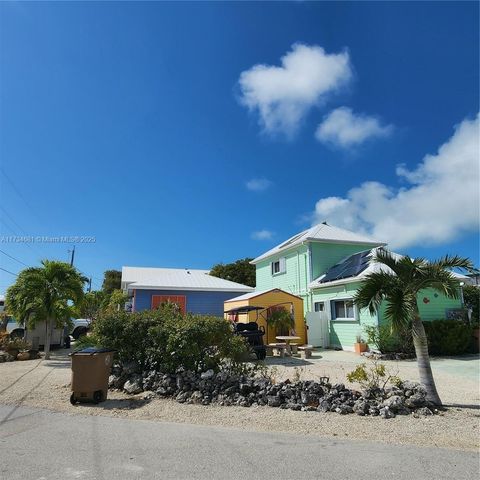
(279, 266)
(319, 306)
(344, 309)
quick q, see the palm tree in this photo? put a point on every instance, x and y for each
(47, 293)
(399, 285)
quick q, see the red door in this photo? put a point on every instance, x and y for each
(179, 300)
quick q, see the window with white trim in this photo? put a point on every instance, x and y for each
(319, 306)
(343, 310)
(279, 266)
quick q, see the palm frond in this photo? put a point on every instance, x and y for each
(375, 288)
(400, 308)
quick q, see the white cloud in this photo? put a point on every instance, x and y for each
(440, 203)
(283, 95)
(262, 235)
(258, 184)
(343, 128)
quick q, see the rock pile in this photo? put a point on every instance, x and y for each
(224, 388)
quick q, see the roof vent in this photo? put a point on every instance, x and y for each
(324, 223)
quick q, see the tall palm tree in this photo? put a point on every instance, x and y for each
(399, 285)
(47, 293)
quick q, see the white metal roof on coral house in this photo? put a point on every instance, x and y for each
(321, 233)
(144, 278)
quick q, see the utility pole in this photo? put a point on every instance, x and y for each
(90, 284)
(73, 256)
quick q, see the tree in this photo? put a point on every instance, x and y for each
(112, 280)
(471, 296)
(48, 293)
(280, 319)
(91, 305)
(398, 285)
(241, 271)
(116, 301)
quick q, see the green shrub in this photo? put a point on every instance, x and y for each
(389, 341)
(445, 337)
(448, 337)
(375, 376)
(165, 340)
(471, 296)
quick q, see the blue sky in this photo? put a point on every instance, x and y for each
(142, 124)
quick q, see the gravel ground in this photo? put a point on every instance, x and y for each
(45, 384)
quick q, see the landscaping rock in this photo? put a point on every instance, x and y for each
(416, 400)
(273, 401)
(226, 388)
(207, 375)
(133, 385)
(385, 412)
(394, 403)
(23, 356)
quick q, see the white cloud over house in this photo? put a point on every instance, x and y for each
(258, 184)
(283, 95)
(345, 129)
(439, 204)
(262, 235)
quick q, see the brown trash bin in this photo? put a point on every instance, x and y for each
(90, 371)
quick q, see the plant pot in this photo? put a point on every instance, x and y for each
(360, 347)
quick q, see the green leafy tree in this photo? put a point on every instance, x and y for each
(241, 271)
(280, 320)
(471, 296)
(112, 280)
(92, 304)
(116, 300)
(398, 285)
(48, 293)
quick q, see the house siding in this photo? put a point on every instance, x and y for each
(199, 302)
(343, 333)
(295, 278)
(435, 309)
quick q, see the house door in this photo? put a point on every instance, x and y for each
(318, 334)
(180, 300)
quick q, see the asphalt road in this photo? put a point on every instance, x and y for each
(43, 445)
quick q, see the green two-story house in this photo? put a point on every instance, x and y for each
(325, 266)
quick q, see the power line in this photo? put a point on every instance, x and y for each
(13, 258)
(8, 271)
(17, 191)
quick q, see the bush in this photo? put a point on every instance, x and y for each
(166, 340)
(445, 337)
(388, 341)
(376, 376)
(471, 296)
(7, 342)
(448, 337)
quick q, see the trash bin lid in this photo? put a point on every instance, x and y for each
(93, 350)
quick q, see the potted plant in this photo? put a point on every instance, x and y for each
(360, 345)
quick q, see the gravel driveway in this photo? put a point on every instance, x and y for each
(45, 384)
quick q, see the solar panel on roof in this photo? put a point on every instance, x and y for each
(351, 267)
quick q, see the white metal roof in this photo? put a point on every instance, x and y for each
(320, 233)
(144, 278)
